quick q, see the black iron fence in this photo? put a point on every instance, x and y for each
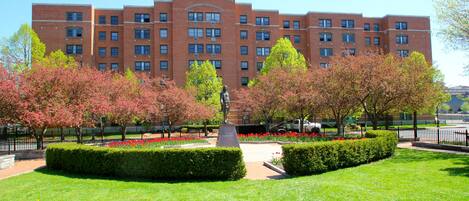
(449, 136)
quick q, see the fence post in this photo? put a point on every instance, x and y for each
(467, 138)
(8, 140)
(14, 138)
(438, 135)
(398, 132)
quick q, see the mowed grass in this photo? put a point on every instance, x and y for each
(409, 175)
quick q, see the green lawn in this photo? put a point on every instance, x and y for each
(409, 175)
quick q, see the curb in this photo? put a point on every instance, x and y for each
(275, 168)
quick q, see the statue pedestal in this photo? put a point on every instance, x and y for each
(227, 136)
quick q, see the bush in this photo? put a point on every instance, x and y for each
(319, 157)
(202, 163)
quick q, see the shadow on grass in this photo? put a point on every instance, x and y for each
(48, 171)
(412, 156)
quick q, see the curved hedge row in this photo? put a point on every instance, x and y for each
(318, 157)
(201, 163)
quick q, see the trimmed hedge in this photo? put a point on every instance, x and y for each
(197, 163)
(319, 157)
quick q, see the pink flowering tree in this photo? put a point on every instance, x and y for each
(124, 101)
(10, 103)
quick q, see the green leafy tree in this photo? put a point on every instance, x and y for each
(465, 107)
(453, 15)
(57, 59)
(206, 86)
(423, 85)
(284, 55)
(23, 49)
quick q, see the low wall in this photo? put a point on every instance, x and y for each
(7, 161)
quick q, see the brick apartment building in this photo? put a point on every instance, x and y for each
(164, 39)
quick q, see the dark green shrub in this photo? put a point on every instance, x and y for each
(203, 163)
(319, 157)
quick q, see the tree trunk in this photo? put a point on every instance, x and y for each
(42, 137)
(124, 132)
(415, 125)
(62, 136)
(302, 122)
(205, 128)
(170, 127)
(102, 131)
(386, 122)
(374, 122)
(338, 124)
(79, 135)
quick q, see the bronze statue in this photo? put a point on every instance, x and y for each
(225, 103)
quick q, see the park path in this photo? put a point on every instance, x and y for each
(255, 155)
(22, 167)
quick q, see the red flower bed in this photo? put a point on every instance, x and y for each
(288, 134)
(291, 137)
(134, 143)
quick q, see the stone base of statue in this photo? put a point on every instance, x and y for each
(227, 136)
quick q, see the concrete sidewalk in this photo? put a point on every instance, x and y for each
(22, 167)
(408, 145)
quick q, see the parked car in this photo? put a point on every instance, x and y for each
(309, 127)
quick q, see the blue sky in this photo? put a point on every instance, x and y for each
(15, 12)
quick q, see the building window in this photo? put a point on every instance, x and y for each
(325, 37)
(376, 41)
(102, 35)
(195, 32)
(244, 81)
(325, 23)
(347, 24)
(262, 35)
(349, 52)
(163, 17)
(367, 27)
(114, 51)
(74, 16)
(142, 33)
(324, 65)
(403, 53)
(142, 50)
(296, 39)
(102, 67)
(163, 33)
(74, 49)
(141, 66)
(243, 35)
(376, 27)
(212, 17)
(216, 64)
(263, 51)
(142, 17)
(213, 33)
(114, 20)
(259, 66)
(114, 66)
(196, 16)
(326, 52)
(296, 25)
(163, 49)
(401, 25)
(264, 21)
(402, 39)
(115, 36)
(191, 62)
(244, 65)
(102, 19)
(243, 19)
(243, 50)
(348, 38)
(164, 65)
(102, 51)
(213, 48)
(196, 48)
(286, 24)
(75, 32)
(367, 41)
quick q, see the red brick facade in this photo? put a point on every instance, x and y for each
(52, 22)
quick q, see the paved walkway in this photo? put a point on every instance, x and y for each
(22, 167)
(408, 145)
(255, 155)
